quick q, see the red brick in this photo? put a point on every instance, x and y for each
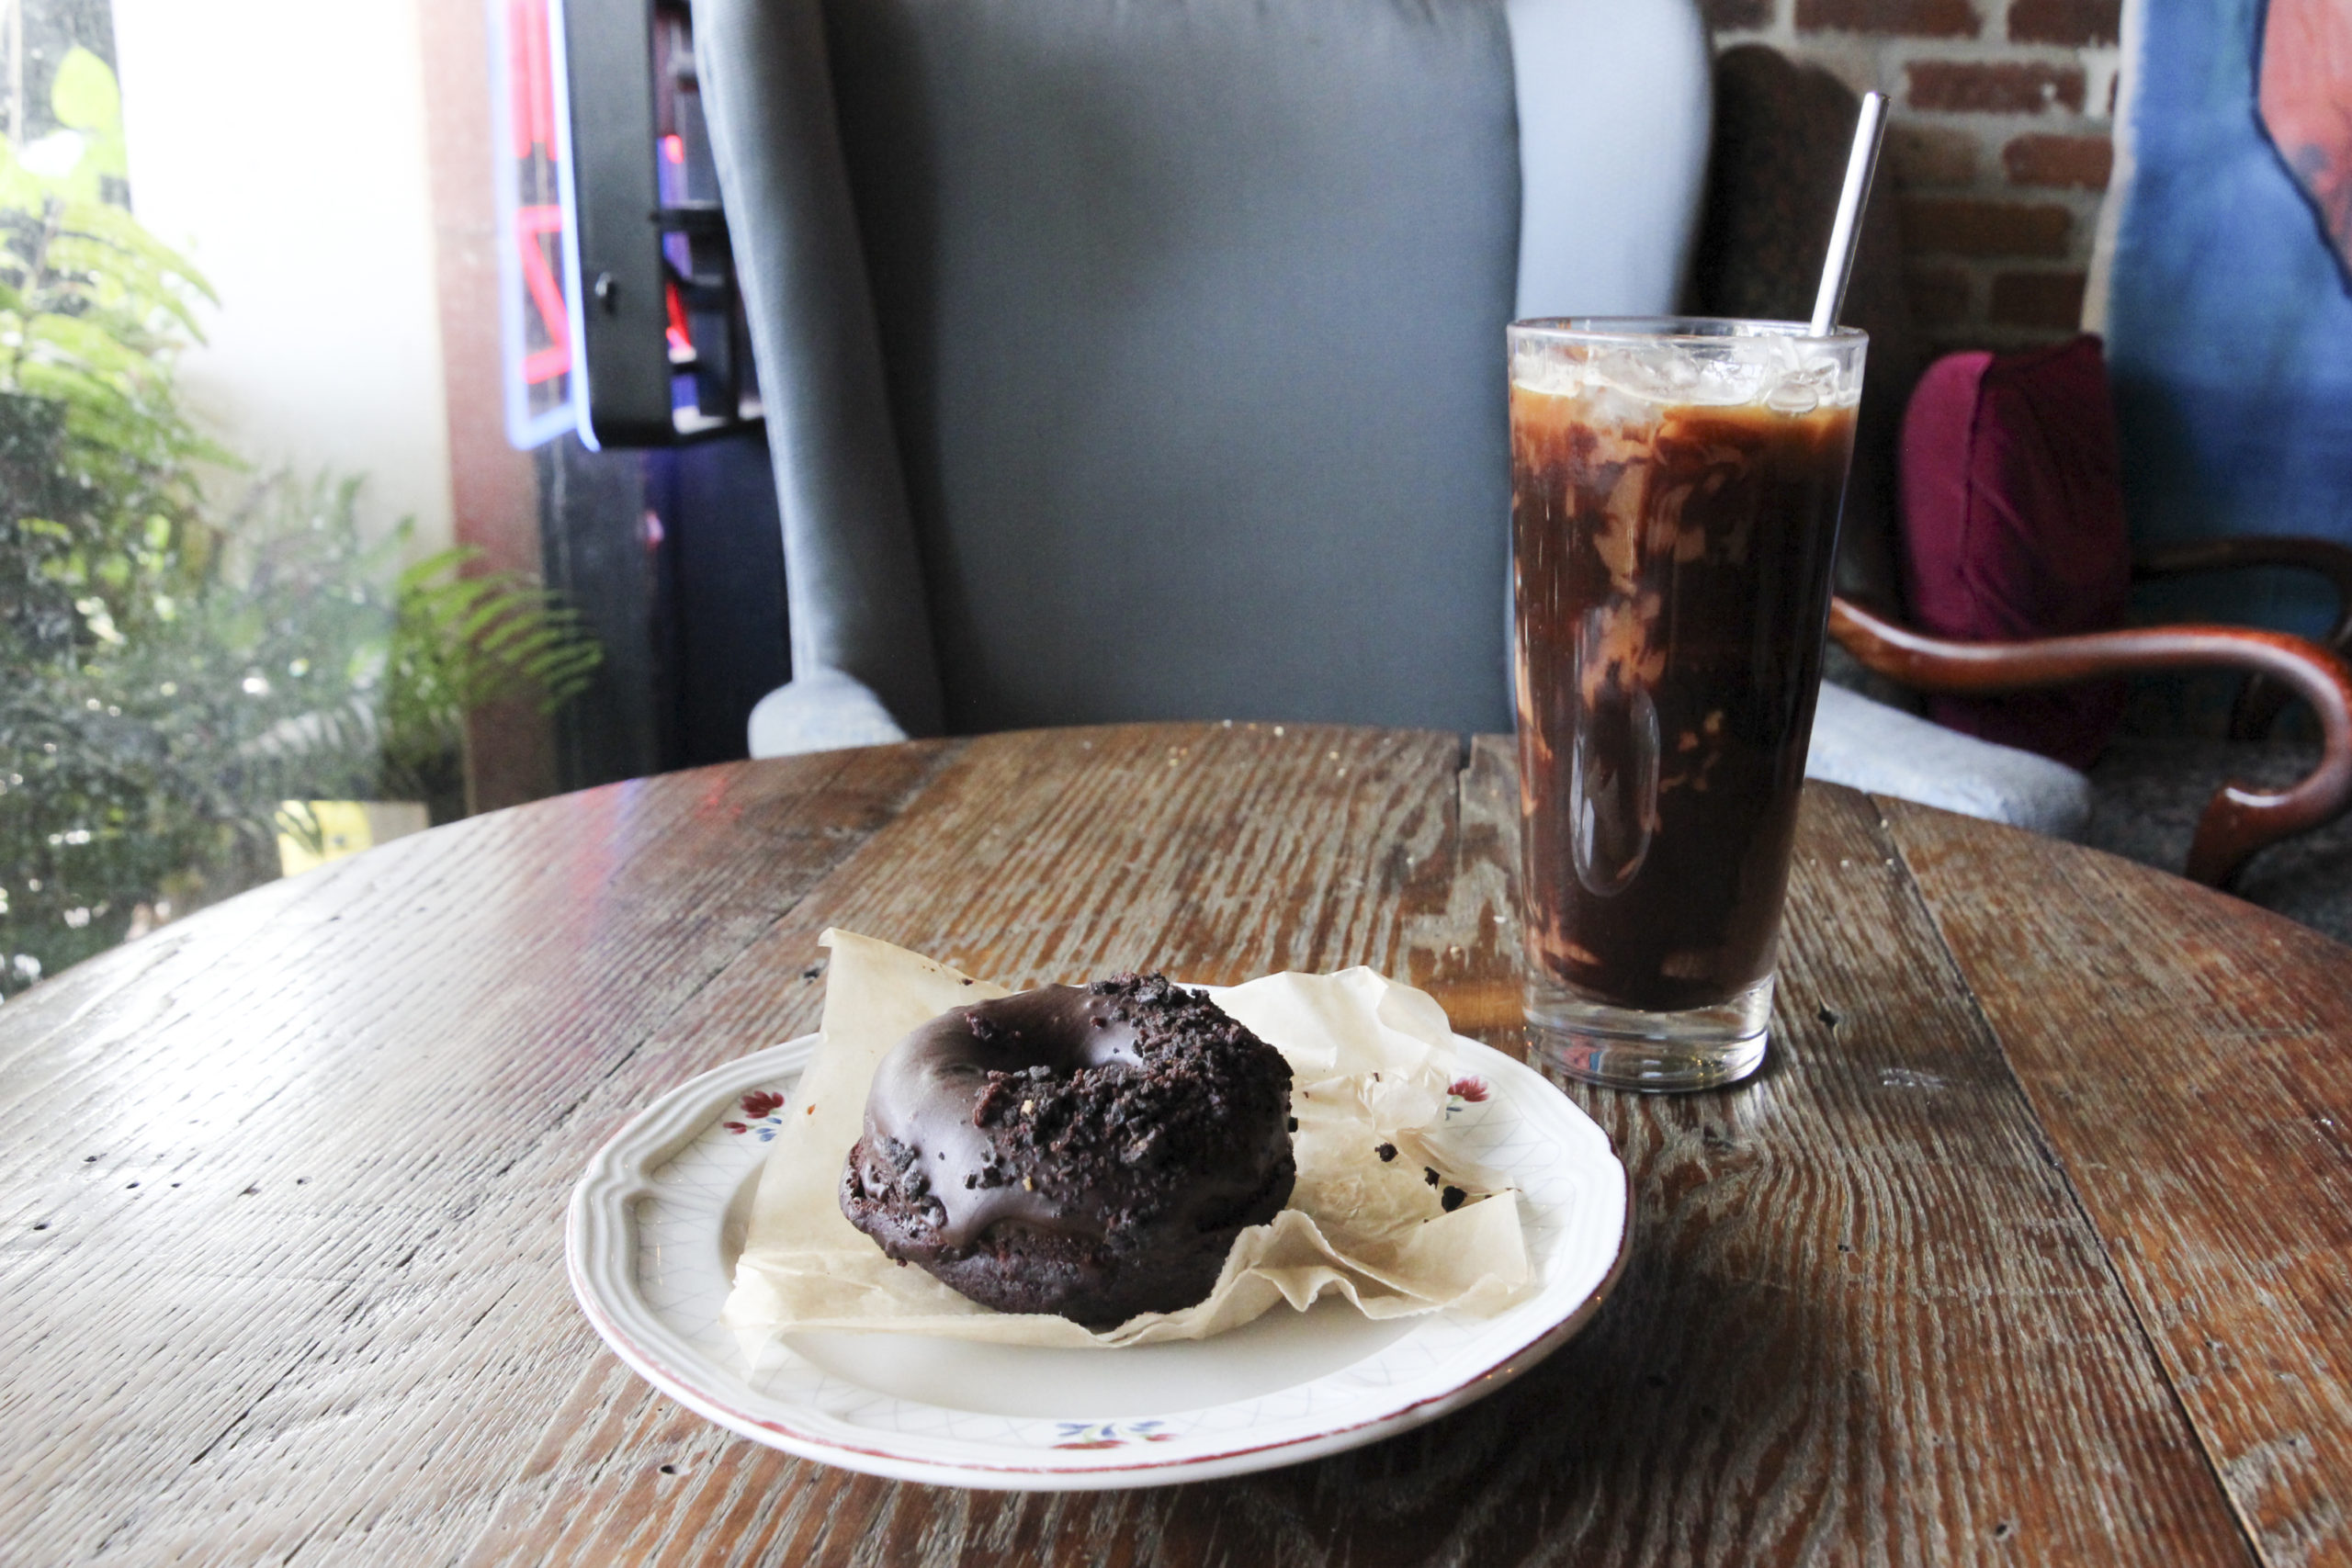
(2046, 299)
(2003, 88)
(1940, 296)
(1738, 16)
(1912, 18)
(1959, 227)
(2076, 22)
(2083, 161)
(1924, 155)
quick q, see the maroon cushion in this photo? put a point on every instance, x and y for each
(2013, 523)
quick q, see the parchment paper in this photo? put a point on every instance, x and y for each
(1372, 1062)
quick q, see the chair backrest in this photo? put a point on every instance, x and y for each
(1144, 360)
(1782, 133)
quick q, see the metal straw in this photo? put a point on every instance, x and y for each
(1838, 265)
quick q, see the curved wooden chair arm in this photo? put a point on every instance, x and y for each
(2238, 821)
(2259, 704)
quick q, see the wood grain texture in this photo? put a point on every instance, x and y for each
(1868, 1319)
(2198, 1095)
(1755, 1393)
(283, 1183)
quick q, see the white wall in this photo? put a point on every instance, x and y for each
(281, 145)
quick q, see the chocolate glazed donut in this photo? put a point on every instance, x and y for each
(1090, 1151)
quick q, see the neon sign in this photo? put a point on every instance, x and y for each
(535, 314)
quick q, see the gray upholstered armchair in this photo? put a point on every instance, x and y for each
(1145, 361)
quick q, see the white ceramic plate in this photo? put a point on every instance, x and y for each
(659, 1218)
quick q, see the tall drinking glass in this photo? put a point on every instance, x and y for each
(1675, 491)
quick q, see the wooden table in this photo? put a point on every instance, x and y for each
(2030, 1244)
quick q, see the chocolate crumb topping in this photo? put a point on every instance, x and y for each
(1096, 1149)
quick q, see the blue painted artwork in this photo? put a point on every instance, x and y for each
(2230, 299)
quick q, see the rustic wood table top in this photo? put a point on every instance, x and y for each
(2032, 1242)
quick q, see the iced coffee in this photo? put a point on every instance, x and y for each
(1676, 487)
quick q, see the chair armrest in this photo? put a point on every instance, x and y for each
(1868, 746)
(2259, 703)
(2236, 821)
(824, 710)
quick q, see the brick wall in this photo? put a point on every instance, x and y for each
(1997, 145)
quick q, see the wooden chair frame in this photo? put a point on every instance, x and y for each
(2238, 821)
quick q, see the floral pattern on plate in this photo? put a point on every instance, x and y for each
(1112, 1434)
(764, 1109)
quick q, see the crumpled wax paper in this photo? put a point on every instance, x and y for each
(1372, 1063)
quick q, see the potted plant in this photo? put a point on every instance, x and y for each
(169, 678)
